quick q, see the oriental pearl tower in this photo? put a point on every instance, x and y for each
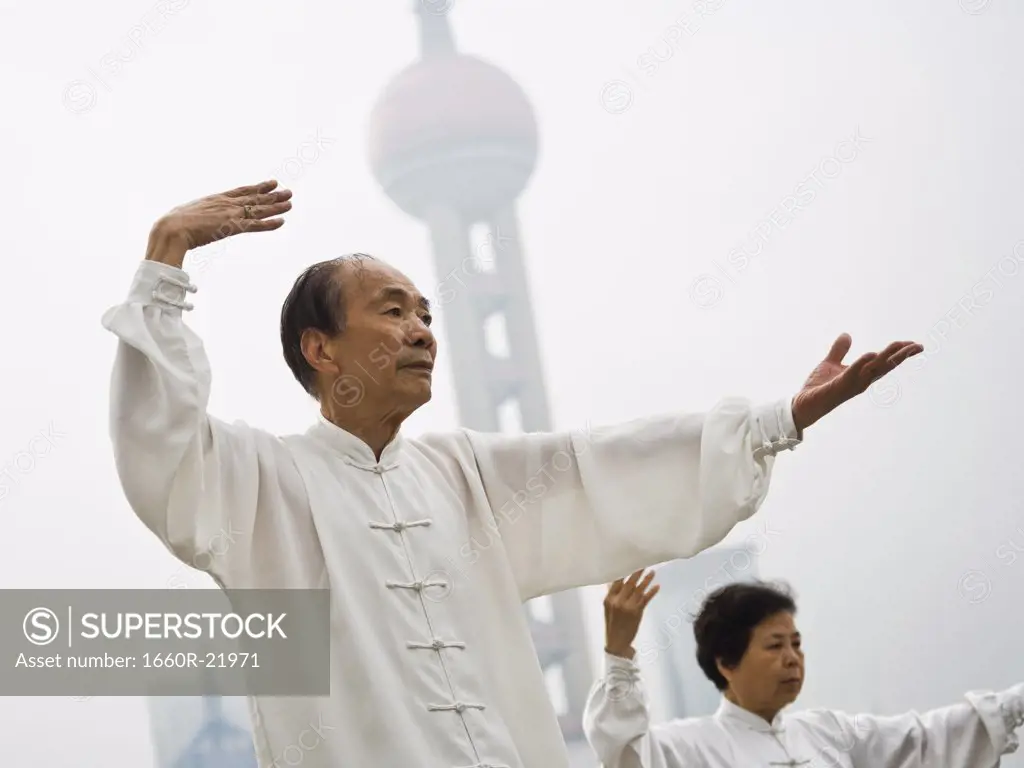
(453, 142)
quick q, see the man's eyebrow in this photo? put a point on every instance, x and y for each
(400, 294)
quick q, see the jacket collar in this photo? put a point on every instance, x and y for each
(354, 450)
(729, 711)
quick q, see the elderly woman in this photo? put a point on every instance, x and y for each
(749, 647)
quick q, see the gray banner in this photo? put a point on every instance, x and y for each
(172, 642)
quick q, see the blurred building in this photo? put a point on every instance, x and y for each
(201, 732)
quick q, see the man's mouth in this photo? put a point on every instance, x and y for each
(421, 366)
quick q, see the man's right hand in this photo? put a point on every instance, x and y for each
(623, 609)
(203, 221)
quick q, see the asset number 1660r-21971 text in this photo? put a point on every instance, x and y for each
(201, 660)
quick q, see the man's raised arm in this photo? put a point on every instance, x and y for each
(579, 509)
(193, 480)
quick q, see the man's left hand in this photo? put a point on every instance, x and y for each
(831, 384)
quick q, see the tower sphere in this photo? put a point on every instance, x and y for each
(456, 131)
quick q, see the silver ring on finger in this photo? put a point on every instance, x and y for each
(247, 212)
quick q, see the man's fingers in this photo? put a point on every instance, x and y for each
(615, 587)
(266, 211)
(839, 349)
(269, 198)
(897, 352)
(909, 349)
(852, 377)
(261, 225)
(858, 366)
(889, 358)
(891, 350)
(253, 189)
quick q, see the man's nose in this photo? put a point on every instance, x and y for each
(419, 334)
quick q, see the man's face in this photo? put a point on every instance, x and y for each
(386, 353)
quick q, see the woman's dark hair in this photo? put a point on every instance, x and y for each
(316, 300)
(727, 619)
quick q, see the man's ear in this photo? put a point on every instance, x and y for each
(316, 348)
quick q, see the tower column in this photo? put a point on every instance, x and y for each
(464, 329)
(534, 410)
(519, 321)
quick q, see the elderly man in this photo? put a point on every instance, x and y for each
(429, 546)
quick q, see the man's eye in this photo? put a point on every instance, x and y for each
(428, 319)
(396, 311)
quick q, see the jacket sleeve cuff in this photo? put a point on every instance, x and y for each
(160, 284)
(1003, 714)
(776, 429)
(617, 665)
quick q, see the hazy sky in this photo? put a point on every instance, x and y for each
(900, 514)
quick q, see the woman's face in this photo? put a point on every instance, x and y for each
(771, 672)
